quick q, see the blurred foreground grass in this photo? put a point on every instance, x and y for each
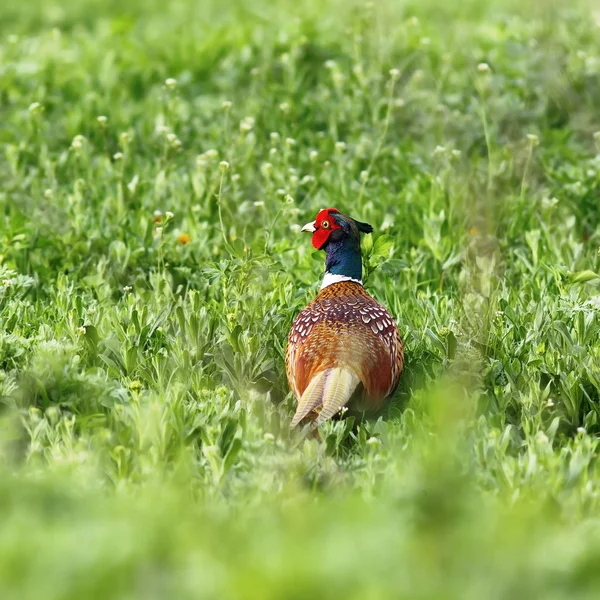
(156, 161)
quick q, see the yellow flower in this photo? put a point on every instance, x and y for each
(184, 238)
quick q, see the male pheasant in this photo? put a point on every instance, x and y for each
(344, 345)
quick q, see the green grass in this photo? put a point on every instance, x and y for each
(144, 441)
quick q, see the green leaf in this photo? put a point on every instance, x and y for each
(382, 246)
(91, 335)
(232, 454)
(583, 276)
(131, 359)
(239, 247)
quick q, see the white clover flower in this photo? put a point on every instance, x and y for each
(118, 156)
(340, 146)
(549, 202)
(127, 289)
(581, 430)
(313, 155)
(35, 107)
(439, 150)
(224, 165)
(246, 124)
(269, 437)
(284, 107)
(102, 120)
(394, 73)
(483, 67)
(550, 403)
(169, 214)
(125, 138)
(456, 153)
(290, 141)
(173, 141)
(226, 105)
(275, 137)
(358, 70)
(387, 224)
(212, 154)
(259, 204)
(77, 143)
(171, 83)
(330, 64)
(272, 151)
(288, 199)
(48, 193)
(533, 138)
(373, 441)
(364, 175)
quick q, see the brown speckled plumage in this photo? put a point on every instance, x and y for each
(345, 331)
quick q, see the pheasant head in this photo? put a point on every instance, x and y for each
(339, 236)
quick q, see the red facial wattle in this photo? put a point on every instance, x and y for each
(324, 224)
(320, 237)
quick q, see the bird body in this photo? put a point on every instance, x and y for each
(344, 345)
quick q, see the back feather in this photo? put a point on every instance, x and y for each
(329, 390)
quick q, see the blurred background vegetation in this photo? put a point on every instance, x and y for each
(156, 160)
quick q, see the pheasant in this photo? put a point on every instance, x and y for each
(344, 345)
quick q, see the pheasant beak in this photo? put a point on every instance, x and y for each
(309, 227)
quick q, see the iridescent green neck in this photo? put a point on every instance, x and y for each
(343, 258)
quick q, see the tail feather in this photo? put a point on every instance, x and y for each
(311, 398)
(339, 387)
(330, 389)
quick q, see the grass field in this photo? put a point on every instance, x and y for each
(157, 159)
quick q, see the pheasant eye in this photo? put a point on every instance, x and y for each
(325, 224)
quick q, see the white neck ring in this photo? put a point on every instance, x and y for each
(331, 278)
